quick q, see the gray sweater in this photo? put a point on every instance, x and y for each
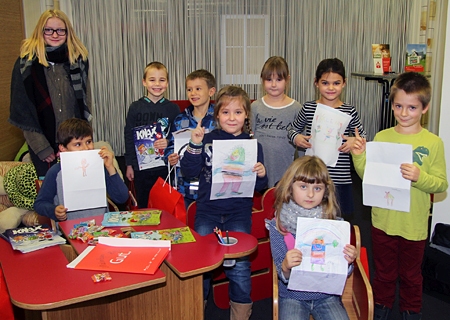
(270, 126)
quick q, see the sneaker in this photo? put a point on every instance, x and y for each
(381, 312)
(411, 315)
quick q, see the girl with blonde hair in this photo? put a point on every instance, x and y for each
(49, 85)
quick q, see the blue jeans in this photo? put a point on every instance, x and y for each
(330, 308)
(239, 275)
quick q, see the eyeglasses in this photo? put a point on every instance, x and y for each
(59, 32)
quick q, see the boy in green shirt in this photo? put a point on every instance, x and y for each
(399, 238)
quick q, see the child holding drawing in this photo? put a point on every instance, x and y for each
(272, 117)
(398, 238)
(200, 87)
(305, 190)
(330, 81)
(76, 135)
(232, 111)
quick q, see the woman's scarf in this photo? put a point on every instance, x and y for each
(42, 118)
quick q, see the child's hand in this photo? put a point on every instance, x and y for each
(292, 259)
(302, 141)
(173, 159)
(359, 144)
(410, 172)
(130, 173)
(259, 169)
(61, 213)
(346, 146)
(160, 144)
(350, 253)
(108, 158)
(197, 134)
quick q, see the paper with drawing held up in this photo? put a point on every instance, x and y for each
(383, 184)
(327, 129)
(83, 178)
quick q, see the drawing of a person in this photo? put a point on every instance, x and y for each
(232, 172)
(83, 167)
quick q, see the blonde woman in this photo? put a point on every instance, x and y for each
(49, 85)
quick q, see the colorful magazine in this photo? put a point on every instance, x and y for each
(416, 55)
(122, 255)
(175, 235)
(144, 139)
(28, 239)
(132, 218)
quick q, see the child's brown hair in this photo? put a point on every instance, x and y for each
(275, 65)
(308, 169)
(202, 74)
(228, 93)
(73, 129)
(412, 83)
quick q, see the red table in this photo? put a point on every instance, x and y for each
(40, 280)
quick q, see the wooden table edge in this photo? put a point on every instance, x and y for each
(68, 302)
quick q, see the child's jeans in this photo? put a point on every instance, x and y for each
(239, 275)
(395, 257)
(330, 308)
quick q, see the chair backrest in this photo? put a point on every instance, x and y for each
(190, 217)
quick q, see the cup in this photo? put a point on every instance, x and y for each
(229, 241)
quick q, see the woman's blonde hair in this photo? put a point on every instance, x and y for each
(308, 169)
(35, 45)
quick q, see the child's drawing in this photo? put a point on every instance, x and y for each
(389, 198)
(85, 189)
(232, 174)
(383, 183)
(328, 127)
(318, 248)
(232, 171)
(83, 166)
(323, 267)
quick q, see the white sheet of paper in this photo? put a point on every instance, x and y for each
(323, 268)
(83, 178)
(326, 133)
(181, 141)
(232, 175)
(383, 184)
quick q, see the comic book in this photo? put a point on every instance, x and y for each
(144, 139)
(132, 218)
(175, 235)
(28, 239)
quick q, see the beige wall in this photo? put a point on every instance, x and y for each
(11, 22)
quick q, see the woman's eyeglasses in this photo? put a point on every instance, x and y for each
(59, 32)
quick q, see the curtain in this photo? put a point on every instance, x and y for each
(232, 37)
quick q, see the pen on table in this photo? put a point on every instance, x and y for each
(228, 238)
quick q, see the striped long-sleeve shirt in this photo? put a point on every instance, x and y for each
(341, 172)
